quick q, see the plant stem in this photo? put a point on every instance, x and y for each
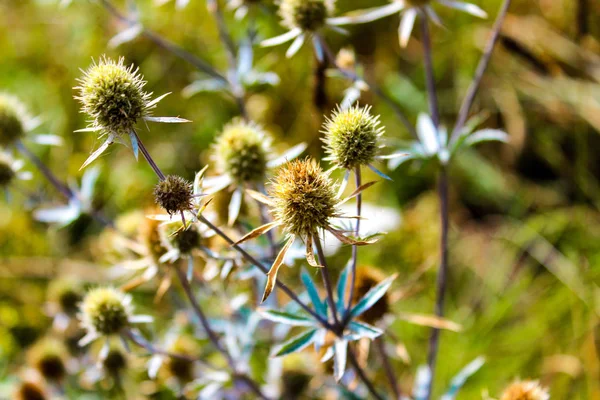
(429, 75)
(353, 77)
(326, 280)
(481, 68)
(362, 375)
(264, 269)
(442, 274)
(143, 343)
(165, 44)
(149, 158)
(203, 320)
(358, 181)
(387, 366)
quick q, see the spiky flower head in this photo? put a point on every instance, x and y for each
(525, 390)
(105, 311)
(113, 95)
(174, 194)
(185, 240)
(304, 196)
(366, 279)
(242, 150)
(30, 391)
(7, 172)
(307, 15)
(47, 356)
(180, 368)
(352, 137)
(12, 119)
(67, 294)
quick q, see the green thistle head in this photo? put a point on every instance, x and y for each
(47, 356)
(12, 119)
(352, 137)
(113, 96)
(241, 151)
(7, 172)
(174, 194)
(105, 311)
(305, 197)
(67, 294)
(30, 391)
(307, 15)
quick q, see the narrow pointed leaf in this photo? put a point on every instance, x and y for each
(365, 330)
(406, 26)
(381, 174)
(134, 144)
(358, 191)
(277, 40)
(156, 100)
(295, 46)
(285, 317)
(486, 135)
(341, 287)
(261, 198)
(257, 232)
(431, 321)
(96, 154)
(372, 296)
(367, 15)
(313, 293)
(297, 343)
(167, 120)
(272, 274)
(339, 358)
(310, 254)
(235, 205)
(125, 36)
(459, 380)
(466, 7)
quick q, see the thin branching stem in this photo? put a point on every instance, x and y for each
(149, 158)
(429, 75)
(165, 44)
(289, 292)
(152, 349)
(326, 279)
(358, 181)
(387, 366)
(353, 77)
(481, 68)
(362, 375)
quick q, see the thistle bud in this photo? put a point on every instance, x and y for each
(352, 137)
(184, 240)
(366, 279)
(105, 311)
(525, 390)
(47, 357)
(180, 368)
(30, 391)
(174, 194)
(7, 173)
(66, 294)
(12, 119)
(241, 151)
(307, 15)
(305, 197)
(113, 96)
(114, 362)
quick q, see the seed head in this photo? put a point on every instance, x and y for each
(366, 279)
(115, 362)
(174, 194)
(525, 390)
(113, 96)
(352, 136)
(105, 310)
(307, 15)
(180, 368)
(12, 119)
(305, 197)
(66, 294)
(7, 172)
(241, 151)
(47, 357)
(185, 240)
(30, 391)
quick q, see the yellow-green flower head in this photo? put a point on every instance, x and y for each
(180, 368)
(307, 15)
(7, 172)
(12, 119)
(114, 362)
(304, 196)
(113, 96)
(67, 294)
(105, 311)
(184, 240)
(242, 150)
(47, 356)
(352, 137)
(525, 390)
(30, 391)
(174, 194)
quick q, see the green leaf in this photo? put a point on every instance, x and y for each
(459, 380)
(313, 293)
(296, 343)
(365, 330)
(372, 296)
(286, 318)
(339, 358)
(486, 135)
(341, 287)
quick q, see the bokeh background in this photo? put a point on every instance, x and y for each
(525, 217)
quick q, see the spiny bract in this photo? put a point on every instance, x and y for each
(105, 310)
(113, 95)
(174, 194)
(352, 137)
(307, 15)
(241, 151)
(12, 119)
(305, 197)
(525, 390)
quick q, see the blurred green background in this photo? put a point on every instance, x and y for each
(525, 217)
